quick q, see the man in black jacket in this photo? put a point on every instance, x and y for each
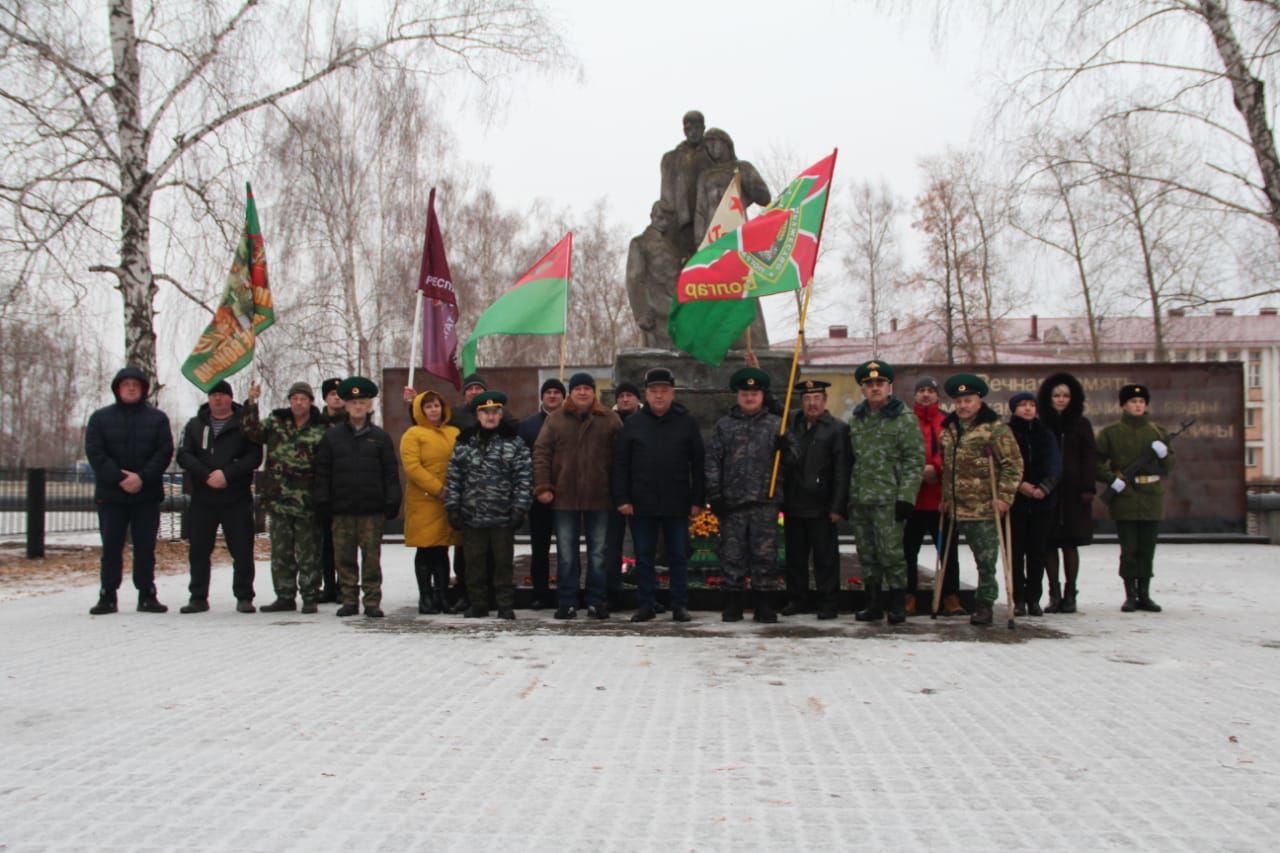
(219, 460)
(357, 485)
(542, 521)
(128, 444)
(659, 483)
(817, 498)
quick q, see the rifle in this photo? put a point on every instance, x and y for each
(1140, 465)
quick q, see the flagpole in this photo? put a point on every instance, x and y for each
(414, 354)
(804, 310)
(568, 286)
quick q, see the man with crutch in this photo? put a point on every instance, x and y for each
(981, 469)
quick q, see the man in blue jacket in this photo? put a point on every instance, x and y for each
(659, 483)
(128, 444)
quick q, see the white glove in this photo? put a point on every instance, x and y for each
(1161, 449)
(1118, 485)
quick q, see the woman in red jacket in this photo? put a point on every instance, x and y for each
(924, 517)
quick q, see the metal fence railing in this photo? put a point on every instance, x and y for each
(38, 502)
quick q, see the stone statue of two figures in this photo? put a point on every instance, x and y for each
(695, 175)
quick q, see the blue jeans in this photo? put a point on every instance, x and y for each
(675, 531)
(569, 524)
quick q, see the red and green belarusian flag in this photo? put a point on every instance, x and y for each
(535, 304)
(772, 253)
(246, 310)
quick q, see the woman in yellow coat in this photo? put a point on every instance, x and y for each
(424, 452)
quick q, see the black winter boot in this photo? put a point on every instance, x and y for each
(436, 605)
(148, 603)
(874, 611)
(1055, 598)
(1145, 602)
(763, 609)
(982, 614)
(423, 576)
(733, 604)
(1130, 595)
(897, 606)
(1068, 604)
(106, 603)
(280, 605)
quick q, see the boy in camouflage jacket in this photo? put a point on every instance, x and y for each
(489, 486)
(291, 436)
(972, 437)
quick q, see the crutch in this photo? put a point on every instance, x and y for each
(1005, 530)
(940, 570)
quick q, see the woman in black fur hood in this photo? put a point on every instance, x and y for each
(1060, 403)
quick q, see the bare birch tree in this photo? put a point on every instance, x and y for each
(104, 115)
(872, 255)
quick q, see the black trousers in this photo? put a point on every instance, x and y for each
(542, 526)
(431, 569)
(236, 521)
(329, 573)
(816, 537)
(140, 522)
(924, 522)
(1030, 553)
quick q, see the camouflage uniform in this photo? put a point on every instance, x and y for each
(290, 469)
(488, 489)
(888, 461)
(739, 466)
(967, 451)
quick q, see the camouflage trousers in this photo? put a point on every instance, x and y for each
(984, 542)
(749, 546)
(295, 555)
(879, 539)
(365, 533)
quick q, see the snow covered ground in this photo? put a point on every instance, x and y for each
(225, 731)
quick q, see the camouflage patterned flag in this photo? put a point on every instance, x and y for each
(246, 311)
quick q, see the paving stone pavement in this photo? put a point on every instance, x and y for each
(272, 732)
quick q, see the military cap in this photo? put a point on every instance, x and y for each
(659, 376)
(474, 379)
(749, 379)
(329, 385)
(488, 400)
(357, 388)
(581, 379)
(873, 370)
(965, 383)
(301, 388)
(223, 387)
(1128, 392)
(552, 384)
(809, 386)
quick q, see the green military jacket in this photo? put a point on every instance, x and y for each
(967, 454)
(1120, 445)
(291, 451)
(888, 455)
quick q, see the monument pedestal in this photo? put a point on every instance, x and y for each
(701, 388)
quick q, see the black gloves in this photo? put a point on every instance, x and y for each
(902, 510)
(517, 518)
(782, 443)
(455, 519)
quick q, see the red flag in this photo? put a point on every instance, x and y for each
(440, 305)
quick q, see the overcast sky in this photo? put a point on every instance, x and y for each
(789, 80)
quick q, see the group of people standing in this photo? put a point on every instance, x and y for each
(579, 470)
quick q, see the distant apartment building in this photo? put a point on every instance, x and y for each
(1253, 340)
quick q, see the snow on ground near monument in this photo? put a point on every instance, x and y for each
(224, 731)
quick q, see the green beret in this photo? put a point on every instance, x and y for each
(873, 370)
(965, 383)
(357, 388)
(488, 400)
(807, 386)
(749, 379)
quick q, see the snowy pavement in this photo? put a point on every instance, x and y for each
(225, 731)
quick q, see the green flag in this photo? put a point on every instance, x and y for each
(535, 304)
(246, 310)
